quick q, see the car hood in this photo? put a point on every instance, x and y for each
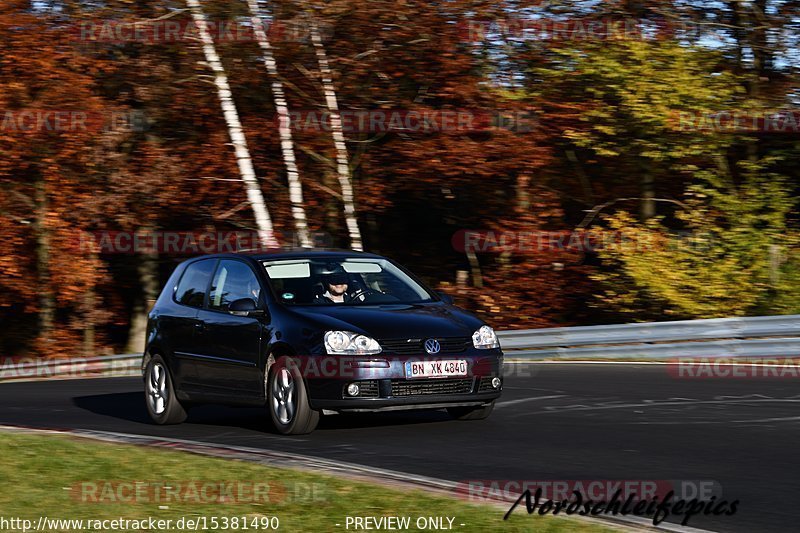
(394, 321)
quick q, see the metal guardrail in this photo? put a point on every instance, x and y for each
(765, 336)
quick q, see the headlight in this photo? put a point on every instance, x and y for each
(349, 343)
(485, 338)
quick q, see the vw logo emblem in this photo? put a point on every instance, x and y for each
(432, 346)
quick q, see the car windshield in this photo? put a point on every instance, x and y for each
(349, 281)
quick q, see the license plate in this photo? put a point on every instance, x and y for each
(436, 369)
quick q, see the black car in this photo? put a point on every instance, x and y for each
(314, 331)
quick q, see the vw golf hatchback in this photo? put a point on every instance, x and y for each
(304, 333)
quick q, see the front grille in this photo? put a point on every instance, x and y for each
(413, 387)
(415, 346)
(366, 389)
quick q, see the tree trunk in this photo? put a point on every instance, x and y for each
(475, 266)
(47, 305)
(90, 320)
(342, 160)
(263, 221)
(648, 205)
(331, 206)
(284, 127)
(581, 173)
(147, 270)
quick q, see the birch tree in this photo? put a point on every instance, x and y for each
(255, 197)
(342, 160)
(284, 126)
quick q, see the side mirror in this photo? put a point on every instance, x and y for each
(245, 307)
(446, 298)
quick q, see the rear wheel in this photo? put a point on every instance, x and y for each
(471, 413)
(162, 404)
(287, 401)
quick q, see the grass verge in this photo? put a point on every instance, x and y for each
(61, 477)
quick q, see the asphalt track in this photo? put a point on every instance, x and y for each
(554, 422)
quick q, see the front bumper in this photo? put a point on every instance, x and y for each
(383, 385)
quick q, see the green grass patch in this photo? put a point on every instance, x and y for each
(62, 477)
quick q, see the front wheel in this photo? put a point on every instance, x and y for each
(471, 413)
(162, 404)
(287, 401)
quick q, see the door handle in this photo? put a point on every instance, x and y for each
(199, 326)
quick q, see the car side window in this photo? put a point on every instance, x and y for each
(233, 281)
(192, 287)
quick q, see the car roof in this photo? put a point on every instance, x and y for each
(310, 253)
(299, 253)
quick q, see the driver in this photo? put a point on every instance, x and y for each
(336, 285)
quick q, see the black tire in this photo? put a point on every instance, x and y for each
(287, 401)
(471, 413)
(159, 394)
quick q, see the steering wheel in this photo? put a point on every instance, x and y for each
(361, 294)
